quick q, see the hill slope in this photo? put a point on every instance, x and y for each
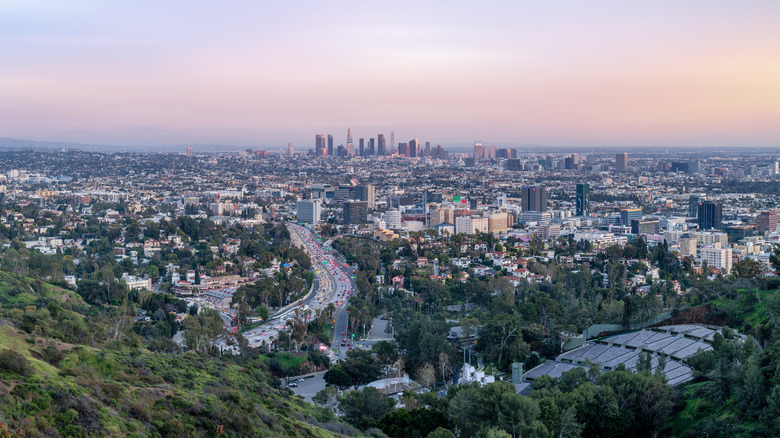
(51, 385)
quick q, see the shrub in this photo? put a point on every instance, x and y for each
(53, 355)
(13, 362)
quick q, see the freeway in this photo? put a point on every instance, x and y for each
(332, 284)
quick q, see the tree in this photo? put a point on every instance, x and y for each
(326, 396)
(441, 432)
(387, 352)
(770, 417)
(644, 362)
(569, 427)
(361, 367)
(119, 324)
(774, 258)
(202, 331)
(752, 385)
(426, 375)
(418, 422)
(516, 413)
(338, 376)
(153, 272)
(445, 368)
(746, 268)
(366, 407)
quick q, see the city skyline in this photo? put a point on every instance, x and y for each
(568, 74)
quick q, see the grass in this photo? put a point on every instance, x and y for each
(13, 340)
(289, 360)
(746, 312)
(248, 327)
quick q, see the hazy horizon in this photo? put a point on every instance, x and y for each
(565, 74)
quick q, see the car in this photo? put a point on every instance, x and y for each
(342, 333)
(293, 384)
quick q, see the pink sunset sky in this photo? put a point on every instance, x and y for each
(612, 73)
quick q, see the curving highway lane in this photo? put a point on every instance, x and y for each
(332, 284)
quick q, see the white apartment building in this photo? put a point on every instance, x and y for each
(717, 258)
(472, 225)
(136, 283)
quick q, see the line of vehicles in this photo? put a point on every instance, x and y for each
(334, 286)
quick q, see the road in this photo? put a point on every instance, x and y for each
(310, 386)
(332, 284)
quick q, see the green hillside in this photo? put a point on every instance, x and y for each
(737, 389)
(60, 376)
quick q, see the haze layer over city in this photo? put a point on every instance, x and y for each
(407, 219)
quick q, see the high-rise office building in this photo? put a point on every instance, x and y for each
(693, 205)
(768, 220)
(479, 150)
(621, 161)
(392, 142)
(309, 211)
(330, 144)
(534, 199)
(629, 214)
(371, 147)
(355, 212)
(514, 165)
(350, 144)
(319, 145)
(583, 195)
(361, 147)
(572, 161)
(366, 192)
(413, 146)
(289, 149)
(393, 218)
(189, 151)
(380, 139)
(710, 215)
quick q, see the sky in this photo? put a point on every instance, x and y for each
(265, 73)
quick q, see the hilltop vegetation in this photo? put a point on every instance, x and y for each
(737, 389)
(68, 368)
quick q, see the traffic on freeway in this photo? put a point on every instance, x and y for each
(332, 285)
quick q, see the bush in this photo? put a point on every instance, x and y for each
(13, 362)
(53, 355)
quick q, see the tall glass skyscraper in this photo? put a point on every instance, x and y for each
(583, 192)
